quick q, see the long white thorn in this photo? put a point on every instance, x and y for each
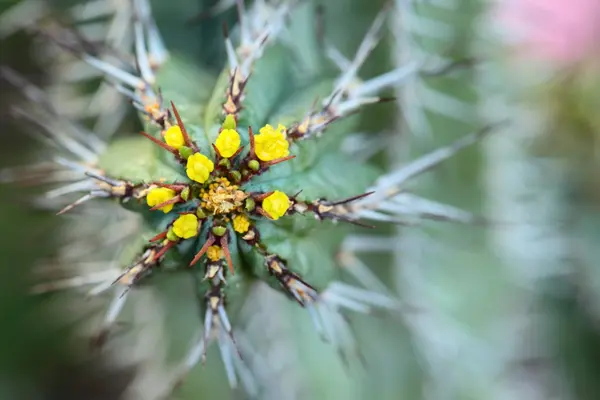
(115, 307)
(82, 200)
(393, 180)
(367, 45)
(76, 281)
(227, 356)
(114, 72)
(141, 53)
(193, 357)
(363, 296)
(369, 243)
(80, 186)
(337, 57)
(330, 297)
(361, 273)
(244, 26)
(395, 77)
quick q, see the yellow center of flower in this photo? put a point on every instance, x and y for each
(214, 253)
(186, 226)
(228, 142)
(276, 204)
(199, 167)
(160, 195)
(241, 223)
(271, 143)
(222, 197)
(174, 137)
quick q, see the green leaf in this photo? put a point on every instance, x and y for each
(135, 159)
(333, 176)
(308, 249)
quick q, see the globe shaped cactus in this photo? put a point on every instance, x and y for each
(228, 169)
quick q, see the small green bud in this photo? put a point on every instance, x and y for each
(250, 204)
(185, 152)
(229, 122)
(171, 235)
(219, 230)
(253, 165)
(236, 176)
(225, 163)
(185, 194)
(195, 191)
(200, 213)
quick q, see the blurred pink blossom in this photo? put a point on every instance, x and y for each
(562, 31)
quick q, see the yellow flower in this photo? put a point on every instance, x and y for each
(276, 205)
(241, 223)
(174, 137)
(271, 143)
(228, 142)
(186, 226)
(199, 167)
(160, 195)
(214, 253)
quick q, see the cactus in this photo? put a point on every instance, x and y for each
(215, 191)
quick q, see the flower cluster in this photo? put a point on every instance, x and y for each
(214, 197)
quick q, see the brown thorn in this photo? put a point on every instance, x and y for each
(262, 196)
(357, 223)
(350, 199)
(207, 244)
(386, 99)
(161, 144)
(262, 212)
(268, 164)
(243, 84)
(81, 200)
(158, 237)
(216, 151)
(173, 186)
(186, 137)
(163, 251)
(232, 80)
(237, 153)
(251, 138)
(225, 246)
(174, 200)
(264, 40)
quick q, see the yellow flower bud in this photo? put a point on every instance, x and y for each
(271, 143)
(199, 167)
(160, 195)
(241, 223)
(186, 226)
(276, 205)
(214, 253)
(174, 137)
(228, 142)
